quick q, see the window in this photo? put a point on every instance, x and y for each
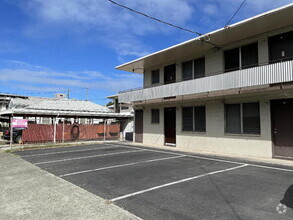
(199, 67)
(155, 76)
(231, 60)
(241, 58)
(193, 69)
(187, 122)
(187, 70)
(170, 74)
(155, 116)
(194, 119)
(124, 107)
(200, 118)
(242, 118)
(281, 47)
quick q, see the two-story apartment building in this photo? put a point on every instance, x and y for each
(229, 91)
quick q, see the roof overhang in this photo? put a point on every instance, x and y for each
(254, 26)
(50, 113)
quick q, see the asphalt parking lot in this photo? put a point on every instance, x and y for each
(160, 184)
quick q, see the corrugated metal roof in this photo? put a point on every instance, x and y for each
(25, 111)
(38, 103)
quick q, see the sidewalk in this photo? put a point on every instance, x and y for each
(27, 192)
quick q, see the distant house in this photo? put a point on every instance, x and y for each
(126, 125)
(59, 110)
(4, 105)
(229, 91)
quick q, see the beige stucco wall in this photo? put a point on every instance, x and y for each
(214, 139)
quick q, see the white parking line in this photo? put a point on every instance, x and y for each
(271, 168)
(98, 155)
(121, 165)
(219, 160)
(193, 156)
(157, 151)
(175, 182)
(63, 152)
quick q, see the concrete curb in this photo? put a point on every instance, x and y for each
(27, 192)
(270, 161)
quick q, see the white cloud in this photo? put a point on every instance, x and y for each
(36, 78)
(108, 24)
(210, 9)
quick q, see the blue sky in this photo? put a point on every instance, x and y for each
(55, 45)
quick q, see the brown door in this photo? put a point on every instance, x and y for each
(282, 127)
(138, 126)
(170, 126)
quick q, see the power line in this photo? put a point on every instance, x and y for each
(235, 13)
(153, 18)
(48, 92)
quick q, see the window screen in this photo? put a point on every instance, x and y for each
(251, 118)
(233, 121)
(155, 116)
(200, 118)
(249, 55)
(187, 70)
(187, 116)
(155, 76)
(199, 67)
(231, 59)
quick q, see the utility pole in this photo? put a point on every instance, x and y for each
(87, 93)
(68, 91)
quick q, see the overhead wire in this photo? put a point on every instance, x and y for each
(163, 22)
(238, 9)
(153, 18)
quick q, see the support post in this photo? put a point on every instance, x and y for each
(55, 128)
(11, 131)
(105, 122)
(63, 131)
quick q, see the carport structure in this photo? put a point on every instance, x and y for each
(164, 184)
(59, 130)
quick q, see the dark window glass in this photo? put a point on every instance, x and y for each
(251, 118)
(199, 67)
(249, 55)
(170, 74)
(231, 59)
(187, 70)
(155, 76)
(187, 116)
(233, 121)
(281, 47)
(124, 107)
(200, 118)
(155, 116)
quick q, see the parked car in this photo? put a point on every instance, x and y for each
(17, 135)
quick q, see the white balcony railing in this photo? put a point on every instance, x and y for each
(256, 76)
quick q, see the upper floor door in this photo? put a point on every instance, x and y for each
(281, 47)
(170, 74)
